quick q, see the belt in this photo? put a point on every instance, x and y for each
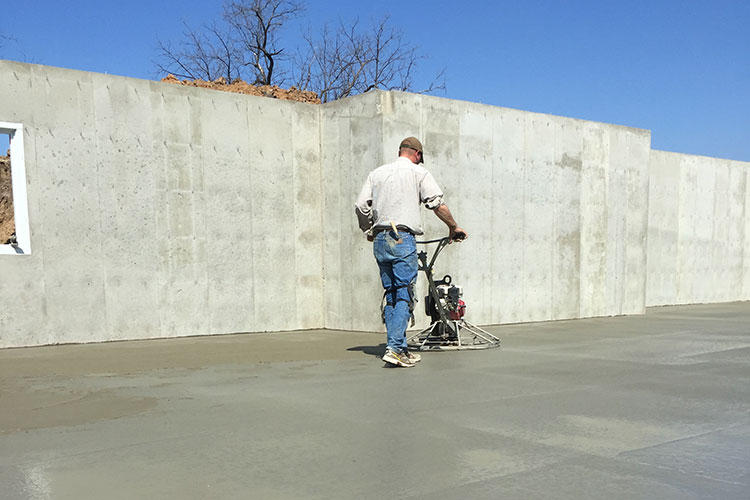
(400, 228)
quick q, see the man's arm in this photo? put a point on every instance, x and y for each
(363, 206)
(444, 214)
(364, 217)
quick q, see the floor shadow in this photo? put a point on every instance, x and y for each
(371, 350)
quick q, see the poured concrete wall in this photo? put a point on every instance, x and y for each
(351, 143)
(699, 230)
(158, 210)
(556, 208)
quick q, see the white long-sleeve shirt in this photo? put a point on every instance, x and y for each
(394, 193)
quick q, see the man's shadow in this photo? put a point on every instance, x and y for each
(371, 350)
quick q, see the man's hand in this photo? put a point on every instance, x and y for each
(457, 234)
(370, 237)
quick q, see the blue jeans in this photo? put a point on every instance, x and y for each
(398, 272)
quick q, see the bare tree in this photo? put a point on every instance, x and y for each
(243, 45)
(207, 54)
(350, 60)
(329, 66)
(256, 24)
(341, 61)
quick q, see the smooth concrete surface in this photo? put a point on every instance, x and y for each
(641, 407)
(699, 230)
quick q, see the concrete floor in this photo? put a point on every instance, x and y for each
(640, 407)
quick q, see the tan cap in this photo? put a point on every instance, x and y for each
(413, 143)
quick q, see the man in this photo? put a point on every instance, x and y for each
(388, 212)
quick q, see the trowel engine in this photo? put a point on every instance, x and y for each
(449, 296)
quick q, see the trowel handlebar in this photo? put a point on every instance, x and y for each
(442, 243)
(456, 237)
(438, 240)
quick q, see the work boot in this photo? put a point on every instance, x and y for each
(397, 358)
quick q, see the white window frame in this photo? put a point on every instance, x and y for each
(20, 200)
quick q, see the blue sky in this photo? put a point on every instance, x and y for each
(678, 68)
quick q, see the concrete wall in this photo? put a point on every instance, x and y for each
(556, 208)
(699, 230)
(158, 210)
(351, 143)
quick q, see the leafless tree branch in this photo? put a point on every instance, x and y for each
(352, 60)
(256, 24)
(205, 54)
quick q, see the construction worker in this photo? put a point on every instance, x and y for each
(388, 212)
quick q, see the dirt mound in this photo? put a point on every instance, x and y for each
(7, 224)
(242, 87)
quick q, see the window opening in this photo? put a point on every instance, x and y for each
(7, 221)
(14, 218)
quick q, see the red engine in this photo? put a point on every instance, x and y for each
(449, 296)
(459, 312)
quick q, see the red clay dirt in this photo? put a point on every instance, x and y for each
(242, 87)
(7, 224)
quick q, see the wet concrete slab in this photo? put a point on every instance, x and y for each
(653, 406)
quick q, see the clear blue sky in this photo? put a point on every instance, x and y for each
(680, 68)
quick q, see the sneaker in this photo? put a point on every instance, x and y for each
(414, 357)
(397, 358)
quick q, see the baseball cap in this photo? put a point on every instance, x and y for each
(413, 143)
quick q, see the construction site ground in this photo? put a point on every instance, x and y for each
(652, 406)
